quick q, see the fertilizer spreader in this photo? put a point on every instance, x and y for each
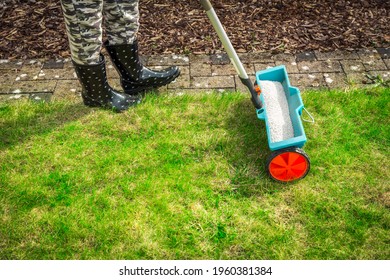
(279, 105)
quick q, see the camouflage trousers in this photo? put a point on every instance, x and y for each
(84, 25)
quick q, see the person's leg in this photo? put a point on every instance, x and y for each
(121, 21)
(122, 24)
(83, 21)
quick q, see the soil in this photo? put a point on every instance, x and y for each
(35, 29)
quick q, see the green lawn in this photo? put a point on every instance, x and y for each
(182, 177)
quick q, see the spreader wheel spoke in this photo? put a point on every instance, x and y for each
(280, 161)
(300, 166)
(292, 158)
(291, 175)
(278, 171)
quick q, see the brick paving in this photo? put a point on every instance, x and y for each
(45, 80)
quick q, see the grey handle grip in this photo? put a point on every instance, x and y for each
(206, 5)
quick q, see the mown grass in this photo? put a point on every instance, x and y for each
(182, 177)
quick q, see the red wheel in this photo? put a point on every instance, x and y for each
(288, 165)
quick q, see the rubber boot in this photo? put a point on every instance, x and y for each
(96, 91)
(134, 76)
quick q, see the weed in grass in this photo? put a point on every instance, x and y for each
(377, 81)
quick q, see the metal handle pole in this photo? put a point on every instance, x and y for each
(230, 51)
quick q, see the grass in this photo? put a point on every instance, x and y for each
(182, 177)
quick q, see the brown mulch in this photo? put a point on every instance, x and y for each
(35, 29)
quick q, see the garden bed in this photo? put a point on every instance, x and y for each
(34, 29)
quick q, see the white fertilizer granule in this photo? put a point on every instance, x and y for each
(278, 114)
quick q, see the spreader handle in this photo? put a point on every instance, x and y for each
(206, 5)
(231, 51)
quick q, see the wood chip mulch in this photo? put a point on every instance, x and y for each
(35, 29)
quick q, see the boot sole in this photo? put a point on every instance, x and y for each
(144, 88)
(91, 103)
(137, 90)
(94, 104)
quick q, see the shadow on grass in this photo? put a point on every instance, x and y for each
(249, 151)
(29, 120)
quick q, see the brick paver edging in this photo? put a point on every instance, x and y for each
(55, 79)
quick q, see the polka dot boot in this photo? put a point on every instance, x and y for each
(134, 76)
(95, 89)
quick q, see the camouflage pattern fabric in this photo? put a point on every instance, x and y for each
(83, 21)
(121, 21)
